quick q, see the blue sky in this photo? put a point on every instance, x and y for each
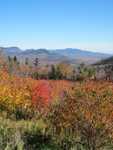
(86, 24)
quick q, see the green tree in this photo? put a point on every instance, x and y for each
(52, 73)
(15, 59)
(58, 73)
(27, 61)
(36, 62)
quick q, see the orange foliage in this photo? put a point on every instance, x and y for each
(41, 93)
(93, 99)
(46, 91)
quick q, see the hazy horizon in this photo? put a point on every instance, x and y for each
(89, 50)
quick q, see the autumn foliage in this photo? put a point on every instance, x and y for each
(41, 93)
(84, 107)
(26, 93)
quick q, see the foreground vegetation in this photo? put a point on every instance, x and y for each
(55, 114)
(72, 114)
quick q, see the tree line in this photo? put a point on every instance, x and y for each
(61, 71)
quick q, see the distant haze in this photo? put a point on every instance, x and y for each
(101, 48)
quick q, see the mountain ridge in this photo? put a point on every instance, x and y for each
(72, 55)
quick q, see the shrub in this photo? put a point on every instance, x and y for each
(25, 135)
(84, 117)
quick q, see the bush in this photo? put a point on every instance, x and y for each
(24, 135)
(83, 118)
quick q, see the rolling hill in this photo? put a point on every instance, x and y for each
(46, 56)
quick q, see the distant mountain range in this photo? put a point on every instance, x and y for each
(46, 56)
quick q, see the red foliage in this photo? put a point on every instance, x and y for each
(41, 94)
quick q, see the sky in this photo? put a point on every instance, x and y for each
(53, 24)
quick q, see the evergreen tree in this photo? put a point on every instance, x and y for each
(27, 61)
(58, 73)
(52, 73)
(36, 62)
(15, 59)
(55, 73)
(9, 59)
